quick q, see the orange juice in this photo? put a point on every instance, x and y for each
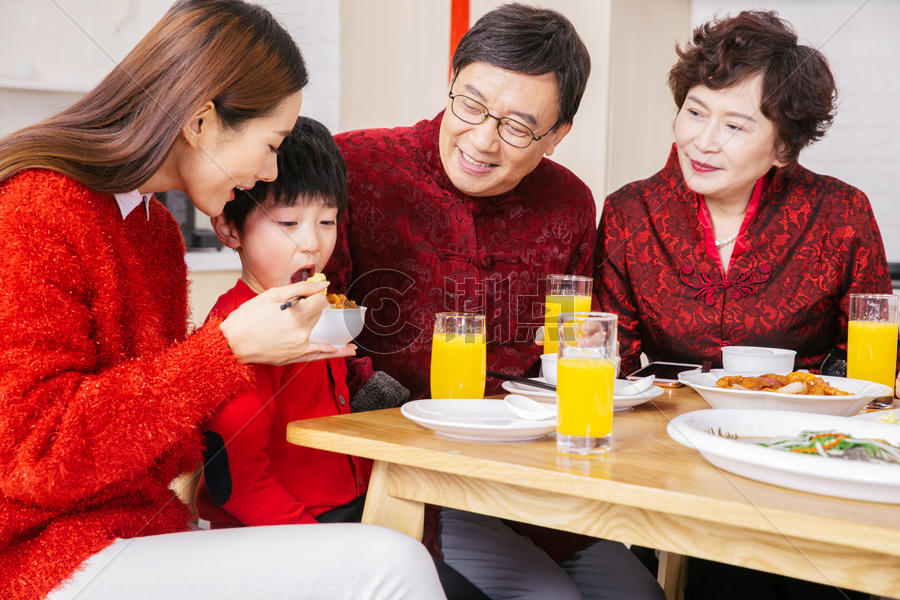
(872, 351)
(458, 365)
(552, 307)
(585, 391)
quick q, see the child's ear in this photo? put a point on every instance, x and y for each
(226, 232)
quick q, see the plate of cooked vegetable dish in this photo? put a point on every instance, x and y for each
(798, 390)
(824, 454)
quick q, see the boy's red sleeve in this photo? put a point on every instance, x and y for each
(239, 473)
(359, 371)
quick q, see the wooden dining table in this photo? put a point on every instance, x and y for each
(648, 490)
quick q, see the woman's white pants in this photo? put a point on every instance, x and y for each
(341, 561)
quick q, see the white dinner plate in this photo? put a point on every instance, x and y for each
(862, 392)
(475, 419)
(536, 393)
(619, 402)
(701, 429)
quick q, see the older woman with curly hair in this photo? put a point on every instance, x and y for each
(733, 242)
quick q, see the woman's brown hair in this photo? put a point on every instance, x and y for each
(116, 136)
(798, 90)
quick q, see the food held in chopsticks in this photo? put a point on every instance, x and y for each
(796, 382)
(304, 275)
(837, 445)
(317, 278)
(334, 300)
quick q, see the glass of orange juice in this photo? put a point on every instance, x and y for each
(872, 341)
(565, 293)
(585, 374)
(458, 356)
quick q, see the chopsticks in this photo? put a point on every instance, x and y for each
(523, 380)
(290, 302)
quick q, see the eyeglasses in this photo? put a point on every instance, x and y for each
(473, 112)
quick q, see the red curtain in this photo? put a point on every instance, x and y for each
(459, 24)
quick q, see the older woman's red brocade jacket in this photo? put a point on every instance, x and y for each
(811, 242)
(413, 245)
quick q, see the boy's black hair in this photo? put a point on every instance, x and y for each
(310, 169)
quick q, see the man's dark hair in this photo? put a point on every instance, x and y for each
(310, 169)
(532, 41)
(798, 90)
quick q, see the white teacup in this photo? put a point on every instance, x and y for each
(753, 359)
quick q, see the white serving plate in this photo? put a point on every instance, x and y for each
(619, 402)
(810, 473)
(862, 393)
(474, 419)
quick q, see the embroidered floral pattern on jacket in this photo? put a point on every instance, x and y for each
(742, 284)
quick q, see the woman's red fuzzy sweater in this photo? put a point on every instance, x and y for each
(101, 388)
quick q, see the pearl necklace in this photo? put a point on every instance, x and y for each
(726, 241)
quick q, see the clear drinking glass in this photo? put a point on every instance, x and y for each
(458, 356)
(872, 341)
(584, 382)
(565, 293)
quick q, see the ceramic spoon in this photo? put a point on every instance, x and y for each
(526, 408)
(633, 388)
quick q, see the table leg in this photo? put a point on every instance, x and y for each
(671, 574)
(405, 516)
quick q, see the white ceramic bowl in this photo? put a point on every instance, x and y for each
(548, 367)
(861, 393)
(338, 326)
(752, 359)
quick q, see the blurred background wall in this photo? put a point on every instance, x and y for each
(382, 63)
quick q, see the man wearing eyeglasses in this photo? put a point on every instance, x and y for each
(463, 213)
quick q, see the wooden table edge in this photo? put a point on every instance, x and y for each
(743, 515)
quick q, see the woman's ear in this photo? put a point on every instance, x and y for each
(227, 233)
(201, 124)
(781, 155)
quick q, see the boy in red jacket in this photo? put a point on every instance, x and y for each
(285, 231)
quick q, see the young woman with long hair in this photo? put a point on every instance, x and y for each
(102, 388)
